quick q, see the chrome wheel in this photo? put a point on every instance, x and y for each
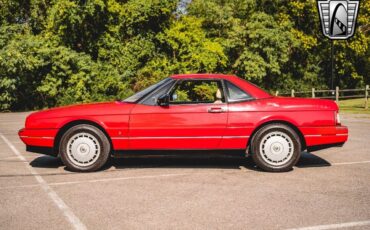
(83, 149)
(276, 148)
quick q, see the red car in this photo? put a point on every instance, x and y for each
(188, 112)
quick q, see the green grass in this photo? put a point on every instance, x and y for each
(354, 106)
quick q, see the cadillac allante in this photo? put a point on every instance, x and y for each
(188, 112)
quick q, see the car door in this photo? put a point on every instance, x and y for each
(195, 117)
(242, 115)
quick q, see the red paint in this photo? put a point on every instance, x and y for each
(138, 126)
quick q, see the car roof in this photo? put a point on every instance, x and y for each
(250, 88)
(203, 75)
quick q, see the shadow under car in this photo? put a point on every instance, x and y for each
(182, 159)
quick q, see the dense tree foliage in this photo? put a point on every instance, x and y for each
(57, 52)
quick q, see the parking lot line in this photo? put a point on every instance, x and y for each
(335, 226)
(335, 164)
(67, 212)
(104, 180)
(242, 169)
(122, 178)
(351, 163)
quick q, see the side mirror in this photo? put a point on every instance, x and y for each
(164, 100)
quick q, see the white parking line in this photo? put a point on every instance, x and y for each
(104, 180)
(242, 169)
(335, 226)
(67, 212)
(122, 178)
(351, 163)
(334, 164)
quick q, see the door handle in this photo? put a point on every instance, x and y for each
(216, 110)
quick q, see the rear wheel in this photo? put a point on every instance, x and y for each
(276, 148)
(84, 148)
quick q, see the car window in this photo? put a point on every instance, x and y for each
(197, 91)
(151, 99)
(139, 95)
(234, 93)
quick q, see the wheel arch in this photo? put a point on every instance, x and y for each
(284, 122)
(73, 123)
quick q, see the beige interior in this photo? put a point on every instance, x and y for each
(218, 97)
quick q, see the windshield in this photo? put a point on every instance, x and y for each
(137, 96)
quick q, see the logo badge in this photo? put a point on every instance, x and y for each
(338, 17)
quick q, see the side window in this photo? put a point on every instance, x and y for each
(152, 98)
(197, 91)
(234, 93)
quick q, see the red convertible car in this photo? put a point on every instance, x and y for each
(188, 112)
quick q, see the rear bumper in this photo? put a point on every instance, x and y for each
(38, 137)
(320, 147)
(326, 136)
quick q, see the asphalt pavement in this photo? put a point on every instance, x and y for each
(328, 189)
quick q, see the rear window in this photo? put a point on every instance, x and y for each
(234, 93)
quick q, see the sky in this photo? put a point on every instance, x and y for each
(181, 7)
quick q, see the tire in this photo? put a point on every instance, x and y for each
(84, 148)
(276, 148)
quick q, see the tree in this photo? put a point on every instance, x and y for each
(37, 73)
(57, 52)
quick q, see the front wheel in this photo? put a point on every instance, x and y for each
(276, 148)
(84, 148)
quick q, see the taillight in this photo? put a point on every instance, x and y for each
(337, 118)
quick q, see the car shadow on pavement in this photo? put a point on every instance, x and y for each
(162, 160)
(204, 160)
(209, 162)
(309, 160)
(182, 160)
(47, 162)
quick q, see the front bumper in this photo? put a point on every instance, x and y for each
(325, 136)
(38, 137)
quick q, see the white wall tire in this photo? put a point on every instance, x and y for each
(276, 148)
(84, 148)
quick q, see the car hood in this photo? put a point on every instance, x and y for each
(93, 109)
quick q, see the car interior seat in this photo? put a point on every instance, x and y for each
(218, 97)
